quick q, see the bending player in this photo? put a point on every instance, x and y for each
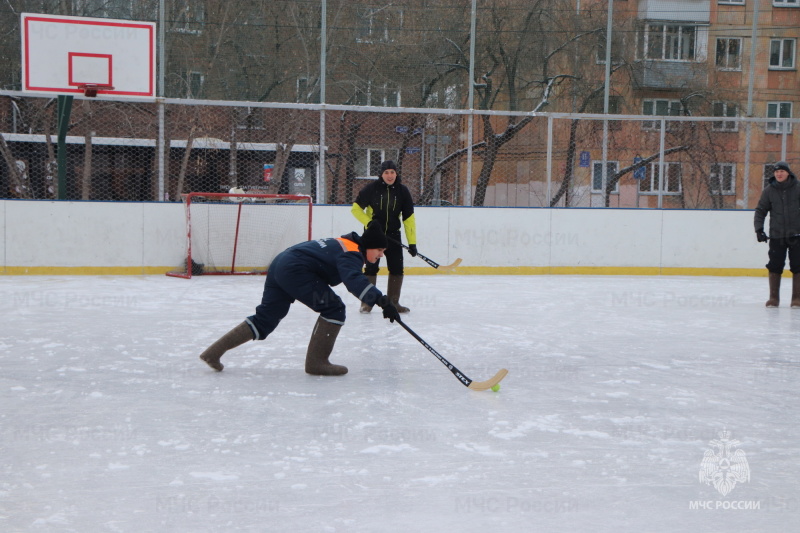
(388, 201)
(306, 272)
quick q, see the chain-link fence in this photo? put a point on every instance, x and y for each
(132, 151)
(309, 97)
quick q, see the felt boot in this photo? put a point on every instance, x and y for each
(364, 307)
(774, 290)
(235, 337)
(796, 290)
(393, 292)
(319, 349)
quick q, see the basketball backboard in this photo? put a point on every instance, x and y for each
(65, 54)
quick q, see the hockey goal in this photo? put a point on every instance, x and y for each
(240, 234)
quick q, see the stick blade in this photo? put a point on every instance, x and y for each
(451, 266)
(489, 383)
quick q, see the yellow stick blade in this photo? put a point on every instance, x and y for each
(489, 383)
(451, 266)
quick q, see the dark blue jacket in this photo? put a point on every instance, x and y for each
(338, 260)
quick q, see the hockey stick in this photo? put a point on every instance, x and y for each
(474, 385)
(430, 261)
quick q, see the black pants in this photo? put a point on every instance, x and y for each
(778, 249)
(394, 257)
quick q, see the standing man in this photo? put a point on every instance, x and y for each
(388, 202)
(306, 272)
(781, 199)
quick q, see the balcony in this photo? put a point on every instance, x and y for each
(675, 10)
(653, 74)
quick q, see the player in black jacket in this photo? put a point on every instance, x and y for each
(389, 202)
(781, 199)
(306, 272)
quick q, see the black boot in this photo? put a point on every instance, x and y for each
(319, 349)
(393, 292)
(795, 290)
(774, 290)
(235, 337)
(364, 307)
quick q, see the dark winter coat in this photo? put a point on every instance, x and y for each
(782, 202)
(335, 261)
(389, 205)
(305, 273)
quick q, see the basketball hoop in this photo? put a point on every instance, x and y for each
(90, 89)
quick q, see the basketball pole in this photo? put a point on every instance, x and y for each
(64, 109)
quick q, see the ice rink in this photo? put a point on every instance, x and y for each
(641, 404)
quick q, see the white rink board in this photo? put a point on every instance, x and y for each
(107, 234)
(618, 237)
(74, 234)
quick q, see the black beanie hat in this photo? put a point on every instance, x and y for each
(388, 164)
(374, 237)
(781, 165)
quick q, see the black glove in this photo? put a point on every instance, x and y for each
(761, 236)
(412, 249)
(389, 310)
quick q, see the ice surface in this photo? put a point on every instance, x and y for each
(616, 387)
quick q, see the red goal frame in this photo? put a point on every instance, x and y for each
(187, 200)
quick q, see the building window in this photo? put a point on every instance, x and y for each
(385, 95)
(306, 92)
(368, 161)
(122, 9)
(779, 110)
(670, 185)
(617, 44)
(781, 54)
(374, 24)
(669, 42)
(735, 2)
(725, 109)
(722, 179)
(659, 108)
(188, 17)
(614, 108)
(784, 3)
(614, 105)
(249, 118)
(597, 175)
(729, 53)
(195, 85)
(443, 98)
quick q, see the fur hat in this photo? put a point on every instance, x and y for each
(388, 164)
(374, 237)
(782, 165)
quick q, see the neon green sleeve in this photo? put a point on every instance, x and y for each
(410, 225)
(360, 215)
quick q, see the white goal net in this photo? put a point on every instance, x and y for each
(234, 234)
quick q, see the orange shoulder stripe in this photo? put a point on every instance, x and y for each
(348, 245)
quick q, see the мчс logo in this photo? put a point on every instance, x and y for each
(723, 466)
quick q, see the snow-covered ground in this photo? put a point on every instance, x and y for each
(617, 389)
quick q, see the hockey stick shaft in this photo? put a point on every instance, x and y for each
(467, 382)
(428, 260)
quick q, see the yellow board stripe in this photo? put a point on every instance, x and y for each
(422, 271)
